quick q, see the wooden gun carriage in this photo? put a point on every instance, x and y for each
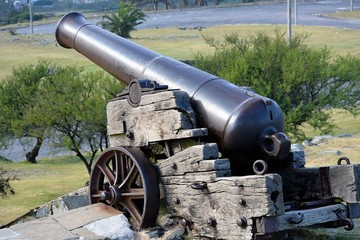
(214, 152)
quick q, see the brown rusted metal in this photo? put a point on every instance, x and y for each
(125, 179)
(342, 159)
(245, 125)
(349, 224)
(260, 167)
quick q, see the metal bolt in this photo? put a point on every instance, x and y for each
(105, 196)
(184, 222)
(129, 134)
(242, 202)
(176, 200)
(241, 222)
(211, 222)
(173, 166)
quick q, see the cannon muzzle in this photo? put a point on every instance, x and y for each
(245, 125)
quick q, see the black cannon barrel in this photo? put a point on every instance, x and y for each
(246, 126)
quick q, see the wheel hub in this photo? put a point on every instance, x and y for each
(112, 196)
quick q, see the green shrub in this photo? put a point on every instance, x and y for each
(303, 81)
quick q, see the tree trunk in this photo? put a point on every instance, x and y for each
(168, 4)
(186, 3)
(31, 156)
(83, 159)
(155, 5)
(201, 3)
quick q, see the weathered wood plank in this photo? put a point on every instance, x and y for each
(161, 116)
(302, 183)
(303, 218)
(225, 201)
(345, 183)
(192, 160)
(306, 184)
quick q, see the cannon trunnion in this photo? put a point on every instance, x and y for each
(167, 131)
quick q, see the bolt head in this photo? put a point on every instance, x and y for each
(176, 200)
(211, 222)
(105, 196)
(184, 222)
(242, 222)
(128, 134)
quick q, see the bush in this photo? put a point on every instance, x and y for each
(5, 187)
(303, 81)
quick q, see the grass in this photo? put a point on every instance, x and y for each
(179, 44)
(345, 123)
(345, 14)
(40, 183)
(319, 155)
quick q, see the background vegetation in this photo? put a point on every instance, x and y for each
(303, 81)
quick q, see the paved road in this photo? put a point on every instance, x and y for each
(309, 13)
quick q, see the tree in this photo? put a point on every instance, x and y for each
(18, 96)
(73, 105)
(5, 187)
(303, 81)
(124, 22)
(7, 10)
(64, 104)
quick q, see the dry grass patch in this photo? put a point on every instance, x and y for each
(345, 14)
(324, 154)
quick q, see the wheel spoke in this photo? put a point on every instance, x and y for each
(105, 169)
(119, 178)
(134, 193)
(130, 178)
(134, 211)
(119, 168)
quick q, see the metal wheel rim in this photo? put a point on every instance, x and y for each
(125, 179)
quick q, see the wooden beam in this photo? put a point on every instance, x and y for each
(297, 219)
(307, 184)
(164, 115)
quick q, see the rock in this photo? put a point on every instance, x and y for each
(333, 152)
(307, 143)
(43, 211)
(8, 233)
(175, 234)
(344, 135)
(297, 156)
(114, 228)
(76, 201)
(166, 221)
(156, 232)
(321, 139)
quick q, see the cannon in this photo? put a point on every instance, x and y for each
(245, 126)
(180, 118)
